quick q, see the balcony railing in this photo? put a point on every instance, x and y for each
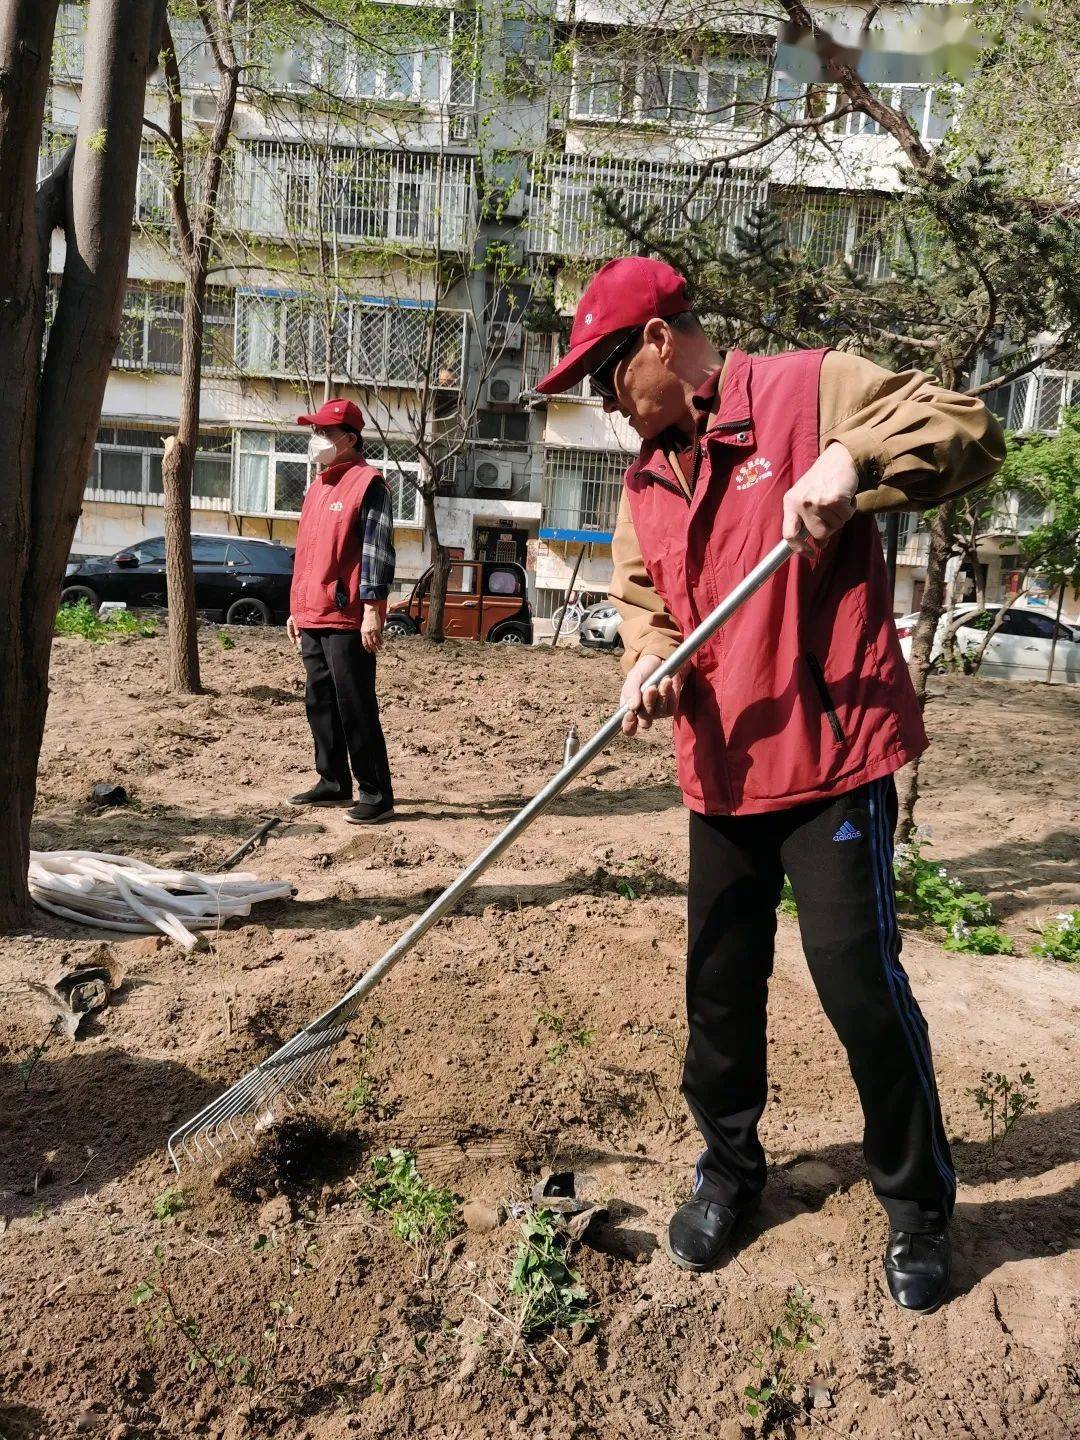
(297, 192)
(1035, 402)
(568, 218)
(372, 341)
(830, 228)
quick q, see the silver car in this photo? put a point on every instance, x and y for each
(600, 627)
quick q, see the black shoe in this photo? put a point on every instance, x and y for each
(370, 812)
(917, 1268)
(322, 794)
(698, 1233)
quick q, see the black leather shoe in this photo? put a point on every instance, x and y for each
(370, 812)
(698, 1234)
(917, 1268)
(322, 794)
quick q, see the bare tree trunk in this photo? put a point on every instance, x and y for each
(177, 472)
(922, 648)
(440, 559)
(49, 413)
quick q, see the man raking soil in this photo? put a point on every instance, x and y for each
(790, 722)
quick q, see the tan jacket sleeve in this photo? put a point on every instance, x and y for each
(913, 443)
(647, 628)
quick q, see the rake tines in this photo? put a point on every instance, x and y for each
(252, 1099)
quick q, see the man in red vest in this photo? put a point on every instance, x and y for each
(789, 724)
(342, 573)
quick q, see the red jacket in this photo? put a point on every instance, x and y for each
(804, 693)
(329, 545)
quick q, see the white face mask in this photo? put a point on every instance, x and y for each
(321, 450)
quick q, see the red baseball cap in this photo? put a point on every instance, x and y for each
(621, 295)
(335, 412)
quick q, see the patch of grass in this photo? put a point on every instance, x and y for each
(934, 897)
(169, 1203)
(550, 1294)
(82, 619)
(787, 904)
(1002, 1102)
(1061, 938)
(225, 640)
(769, 1399)
(422, 1215)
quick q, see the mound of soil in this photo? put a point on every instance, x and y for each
(538, 1029)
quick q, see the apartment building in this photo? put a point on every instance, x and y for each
(499, 126)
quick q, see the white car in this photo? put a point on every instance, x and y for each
(1019, 651)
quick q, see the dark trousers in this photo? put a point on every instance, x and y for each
(343, 713)
(838, 857)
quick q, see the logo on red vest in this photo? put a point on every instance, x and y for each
(336, 505)
(751, 471)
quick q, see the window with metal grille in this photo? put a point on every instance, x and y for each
(284, 190)
(581, 489)
(273, 473)
(567, 218)
(126, 467)
(830, 228)
(373, 341)
(151, 329)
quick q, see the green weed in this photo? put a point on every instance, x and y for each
(82, 619)
(225, 640)
(422, 1215)
(1002, 1102)
(550, 1294)
(225, 1366)
(581, 1037)
(787, 904)
(1061, 938)
(169, 1203)
(769, 1399)
(28, 1064)
(936, 898)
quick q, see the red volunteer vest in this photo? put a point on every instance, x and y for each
(329, 544)
(804, 693)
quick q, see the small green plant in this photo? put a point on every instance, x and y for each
(1002, 1102)
(360, 1100)
(82, 619)
(422, 1215)
(626, 890)
(28, 1064)
(787, 904)
(934, 897)
(38, 1213)
(550, 1293)
(226, 1368)
(169, 1203)
(225, 640)
(769, 1399)
(582, 1037)
(1061, 938)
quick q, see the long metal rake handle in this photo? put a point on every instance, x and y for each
(290, 1065)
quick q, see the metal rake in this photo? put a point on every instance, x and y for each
(252, 1101)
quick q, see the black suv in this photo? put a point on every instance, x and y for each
(240, 581)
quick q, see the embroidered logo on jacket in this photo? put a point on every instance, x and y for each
(751, 471)
(848, 831)
(337, 505)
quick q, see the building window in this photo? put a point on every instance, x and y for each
(358, 195)
(375, 341)
(127, 468)
(151, 330)
(582, 489)
(505, 425)
(928, 109)
(273, 473)
(566, 218)
(727, 92)
(833, 229)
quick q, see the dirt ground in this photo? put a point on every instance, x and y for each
(540, 1028)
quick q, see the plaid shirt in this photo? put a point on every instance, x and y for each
(377, 558)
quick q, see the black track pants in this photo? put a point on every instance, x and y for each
(838, 856)
(343, 712)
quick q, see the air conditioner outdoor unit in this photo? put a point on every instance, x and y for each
(491, 473)
(503, 387)
(506, 334)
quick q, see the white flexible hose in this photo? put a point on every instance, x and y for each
(118, 892)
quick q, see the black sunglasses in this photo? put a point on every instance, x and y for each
(602, 379)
